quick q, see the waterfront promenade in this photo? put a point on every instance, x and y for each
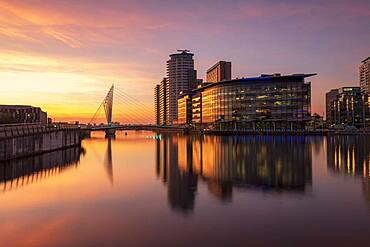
(317, 132)
(86, 130)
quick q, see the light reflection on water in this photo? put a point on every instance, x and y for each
(270, 164)
(190, 190)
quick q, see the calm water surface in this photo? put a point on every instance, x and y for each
(137, 190)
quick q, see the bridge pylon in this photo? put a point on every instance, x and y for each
(108, 105)
(110, 133)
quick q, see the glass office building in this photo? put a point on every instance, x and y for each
(266, 102)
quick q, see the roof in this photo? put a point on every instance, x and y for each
(261, 78)
(365, 60)
(15, 106)
(216, 64)
(182, 52)
(336, 90)
(349, 89)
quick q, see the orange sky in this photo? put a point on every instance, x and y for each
(64, 55)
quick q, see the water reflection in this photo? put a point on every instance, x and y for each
(20, 172)
(181, 181)
(350, 156)
(280, 190)
(273, 164)
(108, 162)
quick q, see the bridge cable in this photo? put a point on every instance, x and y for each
(132, 107)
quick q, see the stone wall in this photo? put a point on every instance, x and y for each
(24, 140)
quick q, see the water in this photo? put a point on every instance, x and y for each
(140, 190)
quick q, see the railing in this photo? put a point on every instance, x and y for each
(15, 130)
(20, 124)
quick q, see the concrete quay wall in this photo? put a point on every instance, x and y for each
(24, 140)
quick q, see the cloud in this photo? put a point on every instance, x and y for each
(58, 43)
(68, 40)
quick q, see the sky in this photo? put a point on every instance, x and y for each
(64, 55)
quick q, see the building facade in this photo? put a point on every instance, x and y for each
(17, 114)
(266, 102)
(330, 99)
(196, 109)
(184, 109)
(163, 102)
(221, 71)
(365, 76)
(181, 75)
(347, 106)
(157, 115)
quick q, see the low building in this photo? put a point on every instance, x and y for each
(221, 71)
(347, 106)
(16, 114)
(184, 110)
(265, 102)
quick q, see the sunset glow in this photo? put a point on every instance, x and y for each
(64, 55)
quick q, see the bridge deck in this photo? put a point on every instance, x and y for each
(130, 127)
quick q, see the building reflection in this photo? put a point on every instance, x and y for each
(350, 155)
(20, 172)
(176, 170)
(277, 164)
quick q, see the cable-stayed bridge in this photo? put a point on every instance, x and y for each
(132, 113)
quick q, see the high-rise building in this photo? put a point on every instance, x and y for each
(163, 102)
(346, 107)
(221, 71)
(193, 81)
(160, 104)
(181, 74)
(157, 104)
(365, 76)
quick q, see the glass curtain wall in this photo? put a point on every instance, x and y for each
(271, 104)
